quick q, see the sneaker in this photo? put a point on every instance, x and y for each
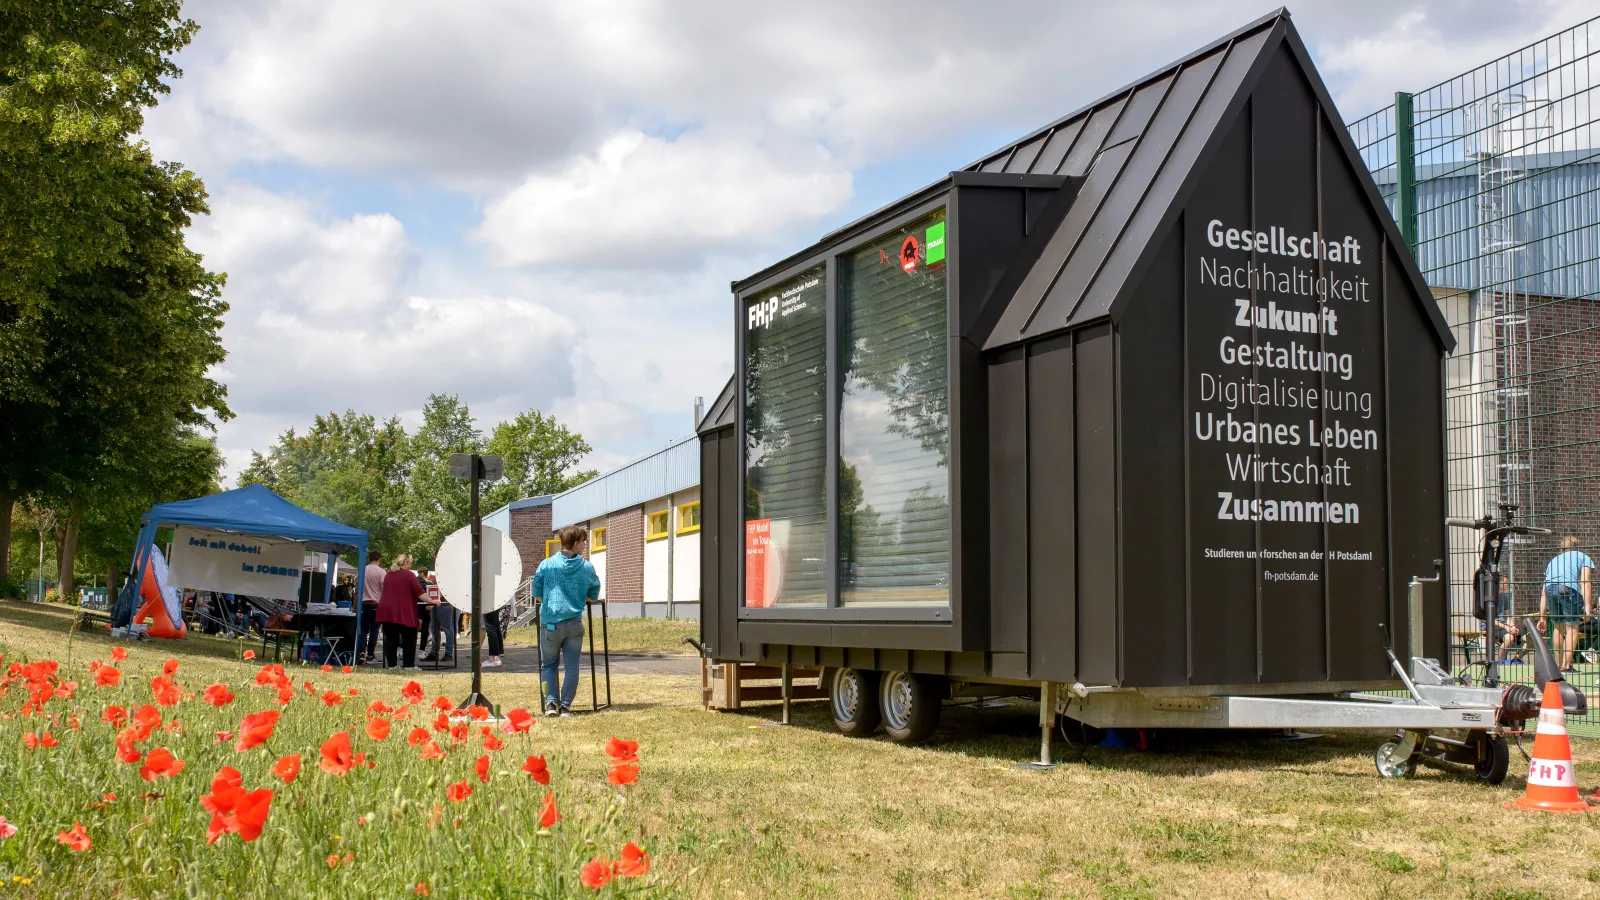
(430, 658)
(566, 712)
(492, 663)
(1591, 656)
(447, 658)
(550, 709)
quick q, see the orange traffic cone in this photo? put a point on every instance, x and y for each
(1552, 785)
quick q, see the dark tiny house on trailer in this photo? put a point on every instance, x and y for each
(1151, 398)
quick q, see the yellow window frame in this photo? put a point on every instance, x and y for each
(656, 525)
(551, 546)
(683, 516)
(597, 540)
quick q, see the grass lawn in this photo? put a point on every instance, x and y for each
(730, 808)
(657, 637)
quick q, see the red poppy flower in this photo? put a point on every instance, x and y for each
(352, 692)
(430, 750)
(165, 691)
(402, 714)
(170, 667)
(256, 729)
(518, 721)
(217, 695)
(378, 729)
(226, 789)
(596, 873)
(635, 863)
(417, 736)
(548, 815)
(345, 669)
(478, 713)
(76, 839)
(443, 702)
(412, 692)
(146, 719)
(421, 890)
(46, 740)
(442, 723)
(310, 688)
(126, 752)
(459, 791)
(119, 654)
(379, 708)
(114, 716)
(285, 695)
(248, 654)
(336, 756)
(623, 773)
(332, 698)
(223, 737)
(250, 815)
(492, 743)
(160, 762)
(537, 769)
(107, 676)
(327, 668)
(622, 751)
(287, 768)
(482, 768)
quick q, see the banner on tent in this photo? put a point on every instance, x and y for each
(236, 564)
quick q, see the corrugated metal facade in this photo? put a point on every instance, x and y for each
(674, 467)
(1550, 212)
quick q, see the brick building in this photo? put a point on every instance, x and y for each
(528, 523)
(644, 526)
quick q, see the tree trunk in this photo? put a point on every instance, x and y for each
(8, 503)
(66, 552)
(113, 577)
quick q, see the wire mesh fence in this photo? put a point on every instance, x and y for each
(1494, 177)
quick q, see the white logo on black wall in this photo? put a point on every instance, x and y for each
(762, 314)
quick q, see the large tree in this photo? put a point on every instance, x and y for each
(350, 468)
(541, 457)
(81, 205)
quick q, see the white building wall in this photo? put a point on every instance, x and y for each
(655, 555)
(598, 560)
(686, 569)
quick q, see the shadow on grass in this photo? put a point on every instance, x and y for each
(62, 620)
(1010, 734)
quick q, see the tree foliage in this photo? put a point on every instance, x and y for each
(398, 486)
(109, 324)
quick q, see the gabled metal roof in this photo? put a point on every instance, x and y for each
(1141, 150)
(720, 415)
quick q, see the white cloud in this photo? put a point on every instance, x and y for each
(628, 158)
(325, 316)
(641, 201)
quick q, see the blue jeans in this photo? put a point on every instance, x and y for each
(559, 644)
(444, 623)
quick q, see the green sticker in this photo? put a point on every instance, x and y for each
(935, 243)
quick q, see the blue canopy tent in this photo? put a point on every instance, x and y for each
(252, 510)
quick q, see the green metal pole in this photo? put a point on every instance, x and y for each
(1406, 166)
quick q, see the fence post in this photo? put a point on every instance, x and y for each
(1405, 167)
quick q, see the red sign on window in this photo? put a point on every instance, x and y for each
(757, 549)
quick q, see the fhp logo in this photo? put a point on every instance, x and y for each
(763, 312)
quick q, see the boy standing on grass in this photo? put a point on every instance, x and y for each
(562, 586)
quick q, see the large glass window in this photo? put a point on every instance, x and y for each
(894, 432)
(785, 422)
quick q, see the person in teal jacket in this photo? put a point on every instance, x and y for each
(562, 586)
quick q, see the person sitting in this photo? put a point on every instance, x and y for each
(1507, 633)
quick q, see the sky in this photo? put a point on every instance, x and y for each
(542, 205)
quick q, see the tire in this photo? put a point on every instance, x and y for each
(853, 700)
(1389, 763)
(1494, 757)
(910, 706)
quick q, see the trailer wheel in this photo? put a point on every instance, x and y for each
(1393, 760)
(1494, 757)
(910, 705)
(853, 699)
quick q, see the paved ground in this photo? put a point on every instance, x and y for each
(525, 660)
